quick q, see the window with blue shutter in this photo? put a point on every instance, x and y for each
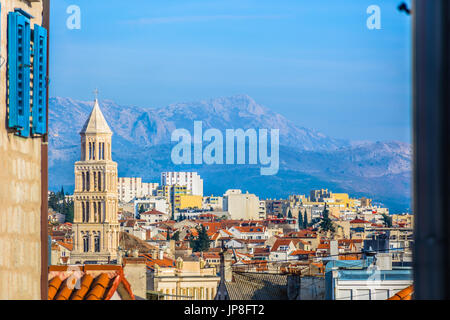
(39, 80)
(19, 72)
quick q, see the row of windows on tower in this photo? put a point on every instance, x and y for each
(97, 177)
(101, 151)
(97, 207)
(87, 243)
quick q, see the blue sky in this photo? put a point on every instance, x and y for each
(315, 62)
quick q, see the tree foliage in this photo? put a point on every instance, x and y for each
(201, 242)
(300, 220)
(305, 220)
(58, 202)
(387, 220)
(326, 224)
(176, 236)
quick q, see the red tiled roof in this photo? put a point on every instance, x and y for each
(302, 252)
(88, 282)
(405, 294)
(153, 211)
(211, 226)
(151, 262)
(282, 242)
(68, 246)
(359, 221)
(250, 229)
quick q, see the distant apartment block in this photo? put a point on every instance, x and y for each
(212, 202)
(276, 207)
(131, 188)
(242, 205)
(189, 179)
(151, 203)
(322, 195)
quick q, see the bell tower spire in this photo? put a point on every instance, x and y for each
(95, 227)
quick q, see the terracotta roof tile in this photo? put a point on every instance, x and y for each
(86, 282)
(98, 282)
(405, 294)
(53, 287)
(66, 291)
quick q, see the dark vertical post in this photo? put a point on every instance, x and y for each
(44, 172)
(431, 148)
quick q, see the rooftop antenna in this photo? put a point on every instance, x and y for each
(96, 94)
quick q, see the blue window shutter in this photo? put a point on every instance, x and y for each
(19, 73)
(39, 80)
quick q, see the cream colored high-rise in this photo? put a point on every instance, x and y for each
(95, 228)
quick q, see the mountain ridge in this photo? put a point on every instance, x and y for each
(141, 146)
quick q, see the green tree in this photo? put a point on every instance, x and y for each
(326, 224)
(176, 236)
(69, 211)
(300, 220)
(53, 201)
(387, 220)
(201, 242)
(289, 214)
(141, 209)
(305, 220)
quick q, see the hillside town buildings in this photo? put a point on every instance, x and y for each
(131, 188)
(173, 243)
(191, 180)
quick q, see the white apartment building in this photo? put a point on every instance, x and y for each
(241, 205)
(157, 203)
(262, 210)
(131, 188)
(212, 202)
(191, 180)
(154, 216)
(249, 232)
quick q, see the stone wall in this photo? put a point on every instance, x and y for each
(20, 189)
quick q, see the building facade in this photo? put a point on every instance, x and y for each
(240, 205)
(96, 226)
(23, 149)
(189, 179)
(132, 188)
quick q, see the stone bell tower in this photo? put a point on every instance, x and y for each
(96, 227)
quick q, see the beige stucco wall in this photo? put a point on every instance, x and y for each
(242, 206)
(135, 272)
(20, 190)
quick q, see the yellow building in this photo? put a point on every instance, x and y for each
(342, 197)
(188, 202)
(403, 220)
(189, 280)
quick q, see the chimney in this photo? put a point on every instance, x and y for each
(334, 249)
(228, 272)
(161, 255)
(135, 271)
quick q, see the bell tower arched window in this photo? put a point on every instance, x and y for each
(86, 243)
(97, 243)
